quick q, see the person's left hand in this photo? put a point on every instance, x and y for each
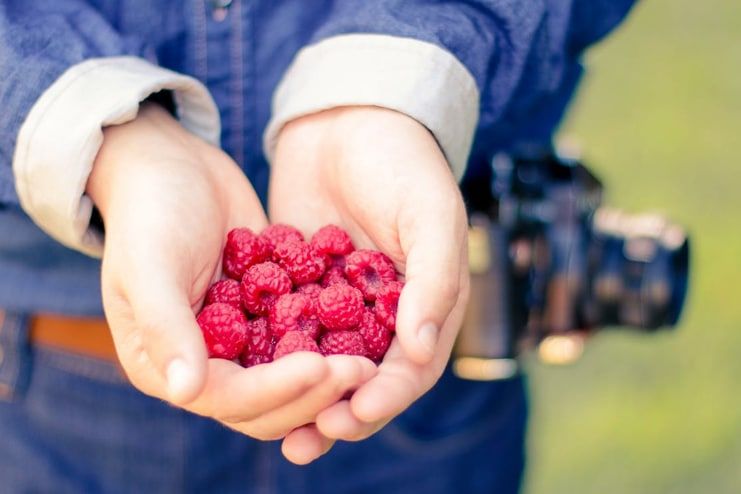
(381, 176)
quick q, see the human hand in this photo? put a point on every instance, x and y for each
(168, 199)
(381, 176)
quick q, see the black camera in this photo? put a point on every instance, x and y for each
(549, 264)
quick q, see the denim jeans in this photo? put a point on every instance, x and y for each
(71, 424)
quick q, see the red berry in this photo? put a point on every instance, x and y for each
(224, 291)
(333, 276)
(376, 337)
(250, 360)
(312, 290)
(342, 343)
(262, 284)
(295, 341)
(299, 259)
(224, 330)
(334, 243)
(243, 249)
(259, 337)
(340, 307)
(387, 302)
(260, 343)
(278, 233)
(368, 270)
(294, 312)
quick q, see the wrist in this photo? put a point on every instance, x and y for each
(152, 138)
(345, 120)
(346, 131)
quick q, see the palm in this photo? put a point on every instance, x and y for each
(367, 212)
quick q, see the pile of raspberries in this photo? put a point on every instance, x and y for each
(283, 294)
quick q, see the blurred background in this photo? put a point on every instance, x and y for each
(659, 119)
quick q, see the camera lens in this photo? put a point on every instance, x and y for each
(638, 270)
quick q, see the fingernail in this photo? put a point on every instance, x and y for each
(179, 378)
(427, 336)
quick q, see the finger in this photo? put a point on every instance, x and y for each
(398, 383)
(401, 381)
(346, 373)
(339, 422)
(305, 444)
(127, 340)
(235, 395)
(437, 239)
(170, 335)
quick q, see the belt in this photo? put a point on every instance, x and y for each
(90, 337)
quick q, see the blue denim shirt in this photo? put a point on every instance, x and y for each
(524, 56)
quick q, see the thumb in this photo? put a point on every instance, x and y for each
(170, 336)
(432, 288)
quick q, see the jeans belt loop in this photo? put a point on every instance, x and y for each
(15, 355)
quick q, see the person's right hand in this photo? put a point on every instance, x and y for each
(168, 200)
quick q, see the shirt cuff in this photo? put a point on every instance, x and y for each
(413, 77)
(59, 140)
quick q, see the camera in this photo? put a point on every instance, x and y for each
(550, 264)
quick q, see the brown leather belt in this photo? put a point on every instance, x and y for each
(90, 337)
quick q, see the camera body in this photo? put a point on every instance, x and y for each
(550, 264)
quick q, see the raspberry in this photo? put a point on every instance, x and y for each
(260, 343)
(299, 290)
(387, 302)
(294, 312)
(334, 243)
(376, 337)
(342, 343)
(299, 259)
(262, 284)
(334, 275)
(311, 289)
(243, 249)
(259, 337)
(367, 270)
(224, 330)
(295, 341)
(277, 234)
(250, 360)
(340, 307)
(225, 291)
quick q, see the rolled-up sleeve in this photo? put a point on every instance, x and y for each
(434, 61)
(66, 74)
(414, 77)
(454, 66)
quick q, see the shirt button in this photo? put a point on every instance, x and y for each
(220, 9)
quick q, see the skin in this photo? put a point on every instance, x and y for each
(168, 199)
(380, 175)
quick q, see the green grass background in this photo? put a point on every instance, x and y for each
(659, 117)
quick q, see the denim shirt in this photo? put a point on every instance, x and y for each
(521, 58)
(523, 55)
(513, 65)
